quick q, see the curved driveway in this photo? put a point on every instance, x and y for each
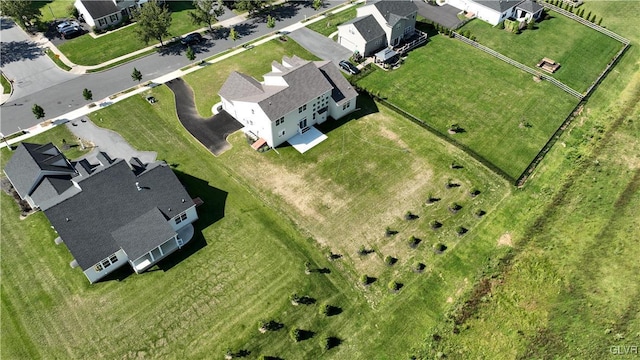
(211, 132)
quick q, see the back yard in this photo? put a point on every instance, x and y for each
(582, 52)
(506, 116)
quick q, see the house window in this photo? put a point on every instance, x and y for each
(102, 22)
(280, 121)
(113, 17)
(282, 132)
(98, 267)
(252, 112)
(345, 106)
(314, 116)
(302, 108)
(106, 263)
(113, 258)
(180, 218)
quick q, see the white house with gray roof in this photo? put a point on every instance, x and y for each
(103, 13)
(294, 96)
(496, 11)
(108, 213)
(377, 25)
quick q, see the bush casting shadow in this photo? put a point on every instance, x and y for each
(439, 248)
(390, 260)
(330, 310)
(367, 280)
(331, 342)
(306, 300)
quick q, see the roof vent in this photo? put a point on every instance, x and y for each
(66, 219)
(169, 209)
(182, 200)
(138, 186)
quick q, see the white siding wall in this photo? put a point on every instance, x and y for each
(291, 123)
(491, 16)
(192, 216)
(85, 14)
(94, 275)
(350, 38)
(337, 111)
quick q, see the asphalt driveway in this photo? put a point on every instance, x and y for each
(211, 132)
(445, 15)
(320, 46)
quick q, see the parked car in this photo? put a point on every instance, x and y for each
(71, 32)
(66, 24)
(191, 39)
(349, 67)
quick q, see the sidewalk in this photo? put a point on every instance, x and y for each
(97, 105)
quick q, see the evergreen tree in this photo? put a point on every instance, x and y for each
(136, 75)
(38, 111)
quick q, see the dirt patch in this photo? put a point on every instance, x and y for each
(505, 240)
(385, 132)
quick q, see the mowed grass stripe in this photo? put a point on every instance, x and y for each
(507, 116)
(582, 51)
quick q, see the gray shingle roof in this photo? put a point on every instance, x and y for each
(394, 10)
(368, 27)
(144, 233)
(100, 8)
(342, 90)
(28, 163)
(305, 82)
(499, 5)
(530, 6)
(109, 201)
(50, 188)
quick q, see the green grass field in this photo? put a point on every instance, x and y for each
(507, 116)
(330, 24)
(582, 52)
(252, 258)
(570, 289)
(124, 41)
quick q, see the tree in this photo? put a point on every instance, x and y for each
(588, 15)
(153, 22)
(136, 75)
(191, 55)
(38, 111)
(233, 34)
(87, 94)
(271, 22)
(206, 12)
(317, 4)
(21, 11)
(599, 21)
(251, 6)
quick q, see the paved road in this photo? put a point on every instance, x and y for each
(211, 132)
(320, 46)
(16, 114)
(25, 63)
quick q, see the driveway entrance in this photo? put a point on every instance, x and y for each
(320, 46)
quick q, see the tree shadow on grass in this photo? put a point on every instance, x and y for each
(306, 335)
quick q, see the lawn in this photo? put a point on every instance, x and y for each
(570, 288)
(53, 9)
(582, 51)
(6, 86)
(330, 24)
(124, 41)
(207, 82)
(250, 260)
(507, 117)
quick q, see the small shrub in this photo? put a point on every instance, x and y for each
(461, 230)
(87, 94)
(388, 232)
(363, 250)
(413, 242)
(394, 285)
(480, 213)
(432, 199)
(390, 260)
(435, 224)
(307, 268)
(474, 192)
(330, 342)
(295, 334)
(531, 25)
(364, 280)
(439, 248)
(410, 216)
(501, 25)
(455, 207)
(295, 299)
(418, 266)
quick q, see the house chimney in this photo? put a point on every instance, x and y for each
(138, 186)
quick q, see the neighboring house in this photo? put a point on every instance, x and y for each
(496, 11)
(108, 213)
(293, 96)
(377, 25)
(103, 13)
